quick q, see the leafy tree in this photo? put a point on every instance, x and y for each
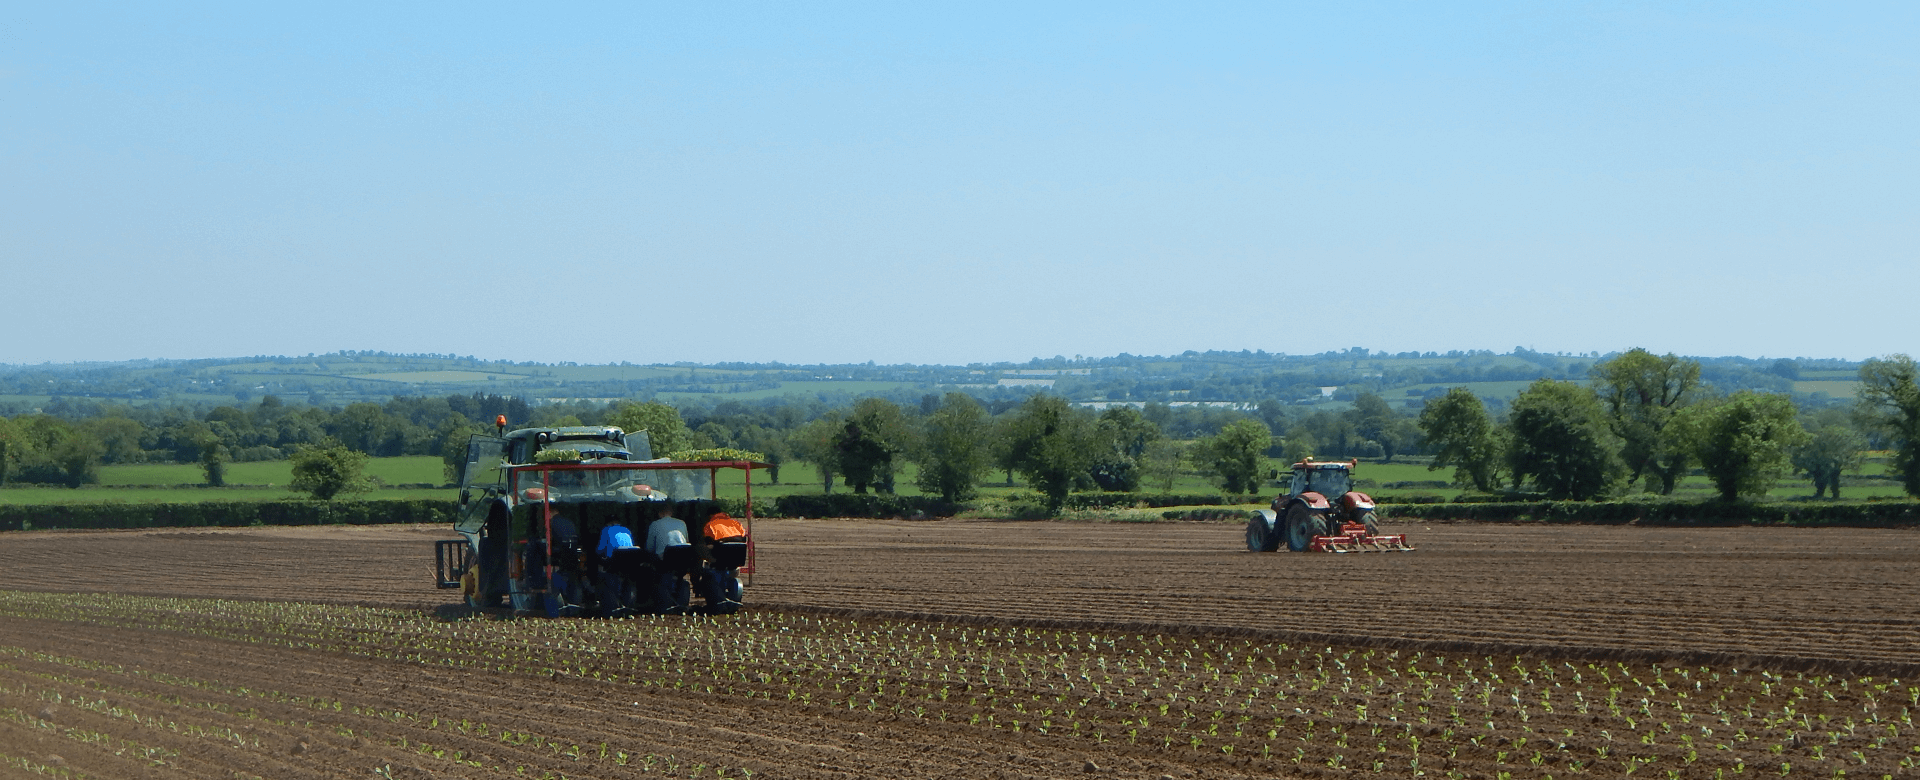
(769, 442)
(1373, 419)
(213, 461)
(711, 434)
(863, 457)
(55, 452)
(456, 432)
(368, 428)
(11, 441)
(1162, 462)
(956, 453)
(1000, 450)
(1121, 437)
(119, 438)
(666, 431)
(1299, 445)
(1561, 440)
(1889, 402)
(813, 443)
(874, 433)
(1463, 436)
(328, 470)
(1332, 434)
(1745, 443)
(1643, 393)
(1833, 448)
(1049, 442)
(1237, 454)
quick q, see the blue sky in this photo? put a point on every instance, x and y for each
(911, 183)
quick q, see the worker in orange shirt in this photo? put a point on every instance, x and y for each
(724, 551)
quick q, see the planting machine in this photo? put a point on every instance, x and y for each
(1321, 513)
(534, 504)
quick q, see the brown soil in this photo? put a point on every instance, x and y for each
(144, 690)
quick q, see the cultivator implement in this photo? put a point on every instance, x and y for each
(1354, 537)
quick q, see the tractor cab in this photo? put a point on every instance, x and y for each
(579, 443)
(1330, 480)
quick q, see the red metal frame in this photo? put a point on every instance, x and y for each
(1353, 537)
(713, 468)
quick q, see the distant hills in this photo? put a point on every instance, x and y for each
(1215, 378)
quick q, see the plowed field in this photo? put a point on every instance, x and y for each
(979, 649)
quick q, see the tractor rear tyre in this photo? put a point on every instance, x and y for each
(1260, 535)
(1372, 523)
(1302, 525)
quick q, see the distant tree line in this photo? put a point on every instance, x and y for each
(1244, 377)
(1645, 421)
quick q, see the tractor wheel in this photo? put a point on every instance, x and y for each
(1302, 525)
(682, 596)
(1372, 523)
(1260, 535)
(470, 586)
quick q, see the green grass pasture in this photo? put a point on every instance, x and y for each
(411, 469)
(1832, 387)
(188, 495)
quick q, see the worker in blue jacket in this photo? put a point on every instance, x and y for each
(614, 538)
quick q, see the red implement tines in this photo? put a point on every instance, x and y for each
(1353, 537)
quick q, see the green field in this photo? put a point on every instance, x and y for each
(1832, 387)
(416, 469)
(188, 495)
(267, 480)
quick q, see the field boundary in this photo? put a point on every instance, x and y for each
(1684, 514)
(225, 514)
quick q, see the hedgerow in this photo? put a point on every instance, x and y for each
(1874, 514)
(226, 514)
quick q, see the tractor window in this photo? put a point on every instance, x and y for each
(1332, 483)
(683, 484)
(563, 484)
(483, 462)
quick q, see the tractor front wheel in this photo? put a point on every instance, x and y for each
(1302, 525)
(1260, 535)
(1372, 523)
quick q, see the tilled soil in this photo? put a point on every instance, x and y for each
(1838, 601)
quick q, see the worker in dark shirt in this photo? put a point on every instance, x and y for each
(564, 593)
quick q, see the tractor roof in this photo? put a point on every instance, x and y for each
(1321, 464)
(572, 433)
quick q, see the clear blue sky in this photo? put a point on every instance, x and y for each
(904, 182)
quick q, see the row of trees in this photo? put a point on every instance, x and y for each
(958, 443)
(1645, 420)
(1648, 420)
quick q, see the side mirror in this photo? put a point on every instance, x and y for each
(465, 496)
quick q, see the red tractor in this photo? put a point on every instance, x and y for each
(1321, 512)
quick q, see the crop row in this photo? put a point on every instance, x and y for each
(1308, 710)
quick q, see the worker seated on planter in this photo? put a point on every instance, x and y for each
(723, 551)
(561, 593)
(615, 548)
(565, 593)
(667, 543)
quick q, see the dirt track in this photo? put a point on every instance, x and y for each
(1784, 598)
